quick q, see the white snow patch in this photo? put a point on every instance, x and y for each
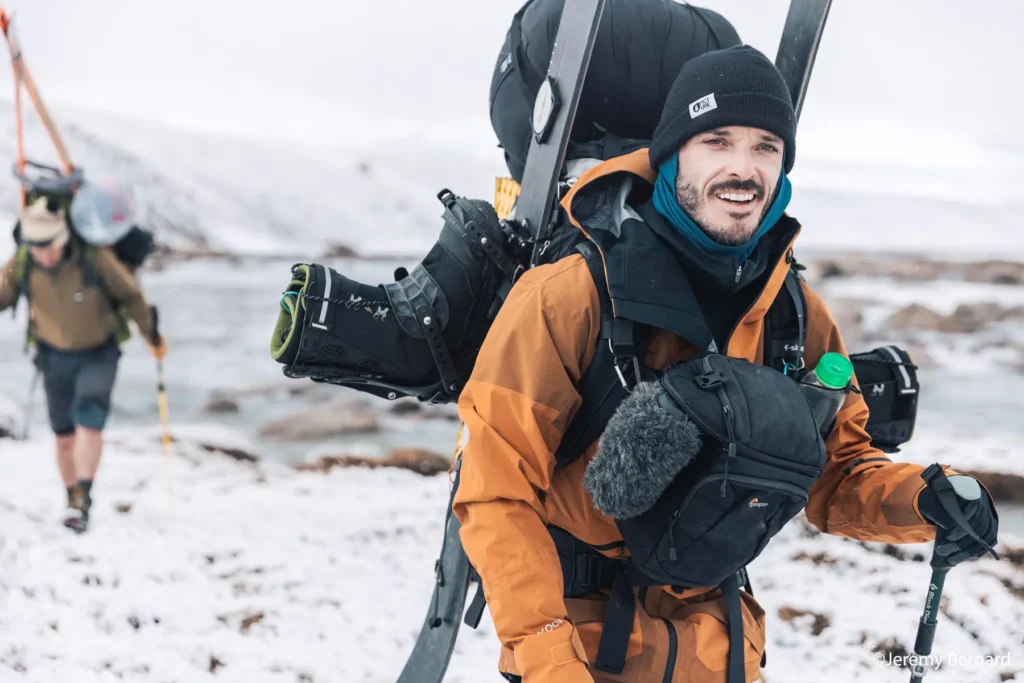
(340, 568)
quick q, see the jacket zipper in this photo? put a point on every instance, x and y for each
(673, 646)
(785, 258)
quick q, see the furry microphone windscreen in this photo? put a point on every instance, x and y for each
(641, 451)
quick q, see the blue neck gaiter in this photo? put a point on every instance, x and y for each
(668, 206)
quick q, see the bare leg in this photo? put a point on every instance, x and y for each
(66, 459)
(88, 449)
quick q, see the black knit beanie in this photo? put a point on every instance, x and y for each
(738, 86)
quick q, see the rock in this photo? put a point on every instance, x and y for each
(315, 425)
(920, 357)
(918, 270)
(418, 460)
(995, 272)
(971, 317)
(915, 316)
(239, 454)
(219, 405)
(408, 406)
(411, 408)
(1012, 315)
(413, 459)
(444, 411)
(1004, 488)
(819, 622)
(247, 623)
(337, 250)
(849, 317)
(210, 438)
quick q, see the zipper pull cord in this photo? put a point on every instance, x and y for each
(732, 447)
(672, 555)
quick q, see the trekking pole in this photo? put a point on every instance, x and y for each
(946, 491)
(29, 405)
(161, 398)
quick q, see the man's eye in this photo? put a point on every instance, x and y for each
(768, 148)
(714, 141)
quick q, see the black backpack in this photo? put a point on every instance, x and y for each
(639, 49)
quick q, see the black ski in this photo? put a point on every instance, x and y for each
(452, 573)
(553, 114)
(798, 47)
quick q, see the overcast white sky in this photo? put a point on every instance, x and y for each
(924, 81)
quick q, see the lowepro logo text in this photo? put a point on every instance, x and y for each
(703, 106)
(755, 503)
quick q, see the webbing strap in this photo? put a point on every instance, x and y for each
(618, 625)
(734, 609)
(792, 283)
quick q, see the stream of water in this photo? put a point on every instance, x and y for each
(218, 316)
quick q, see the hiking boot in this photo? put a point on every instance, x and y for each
(76, 517)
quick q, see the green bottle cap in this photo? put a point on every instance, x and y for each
(834, 370)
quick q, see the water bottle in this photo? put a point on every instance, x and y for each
(825, 387)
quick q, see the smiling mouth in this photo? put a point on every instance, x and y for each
(737, 198)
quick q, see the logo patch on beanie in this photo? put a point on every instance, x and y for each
(703, 106)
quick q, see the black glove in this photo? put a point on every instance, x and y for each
(953, 542)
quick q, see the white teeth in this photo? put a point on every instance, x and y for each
(735, 197)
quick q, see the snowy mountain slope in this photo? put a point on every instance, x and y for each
(378, 196)
(238, 195)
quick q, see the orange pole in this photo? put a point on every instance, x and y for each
(22, 76)
(44, 115)
(5, 24)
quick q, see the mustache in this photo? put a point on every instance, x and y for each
(749, 185)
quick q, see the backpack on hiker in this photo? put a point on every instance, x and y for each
(104, 220)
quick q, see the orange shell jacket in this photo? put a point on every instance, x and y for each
(520, 398)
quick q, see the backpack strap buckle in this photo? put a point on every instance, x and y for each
(710, 380)
(622, 344)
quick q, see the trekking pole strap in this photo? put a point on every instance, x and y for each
(936, 479)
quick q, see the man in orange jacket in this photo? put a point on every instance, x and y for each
(711, 191)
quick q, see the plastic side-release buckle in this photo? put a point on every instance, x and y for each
(710, 380)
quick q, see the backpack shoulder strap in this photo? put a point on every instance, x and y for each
(91, 275)
(22, 263)
(22, 268)
(617, 367)
(785, 324)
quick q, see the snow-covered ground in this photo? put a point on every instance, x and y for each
(261, 573)
(205, 568)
